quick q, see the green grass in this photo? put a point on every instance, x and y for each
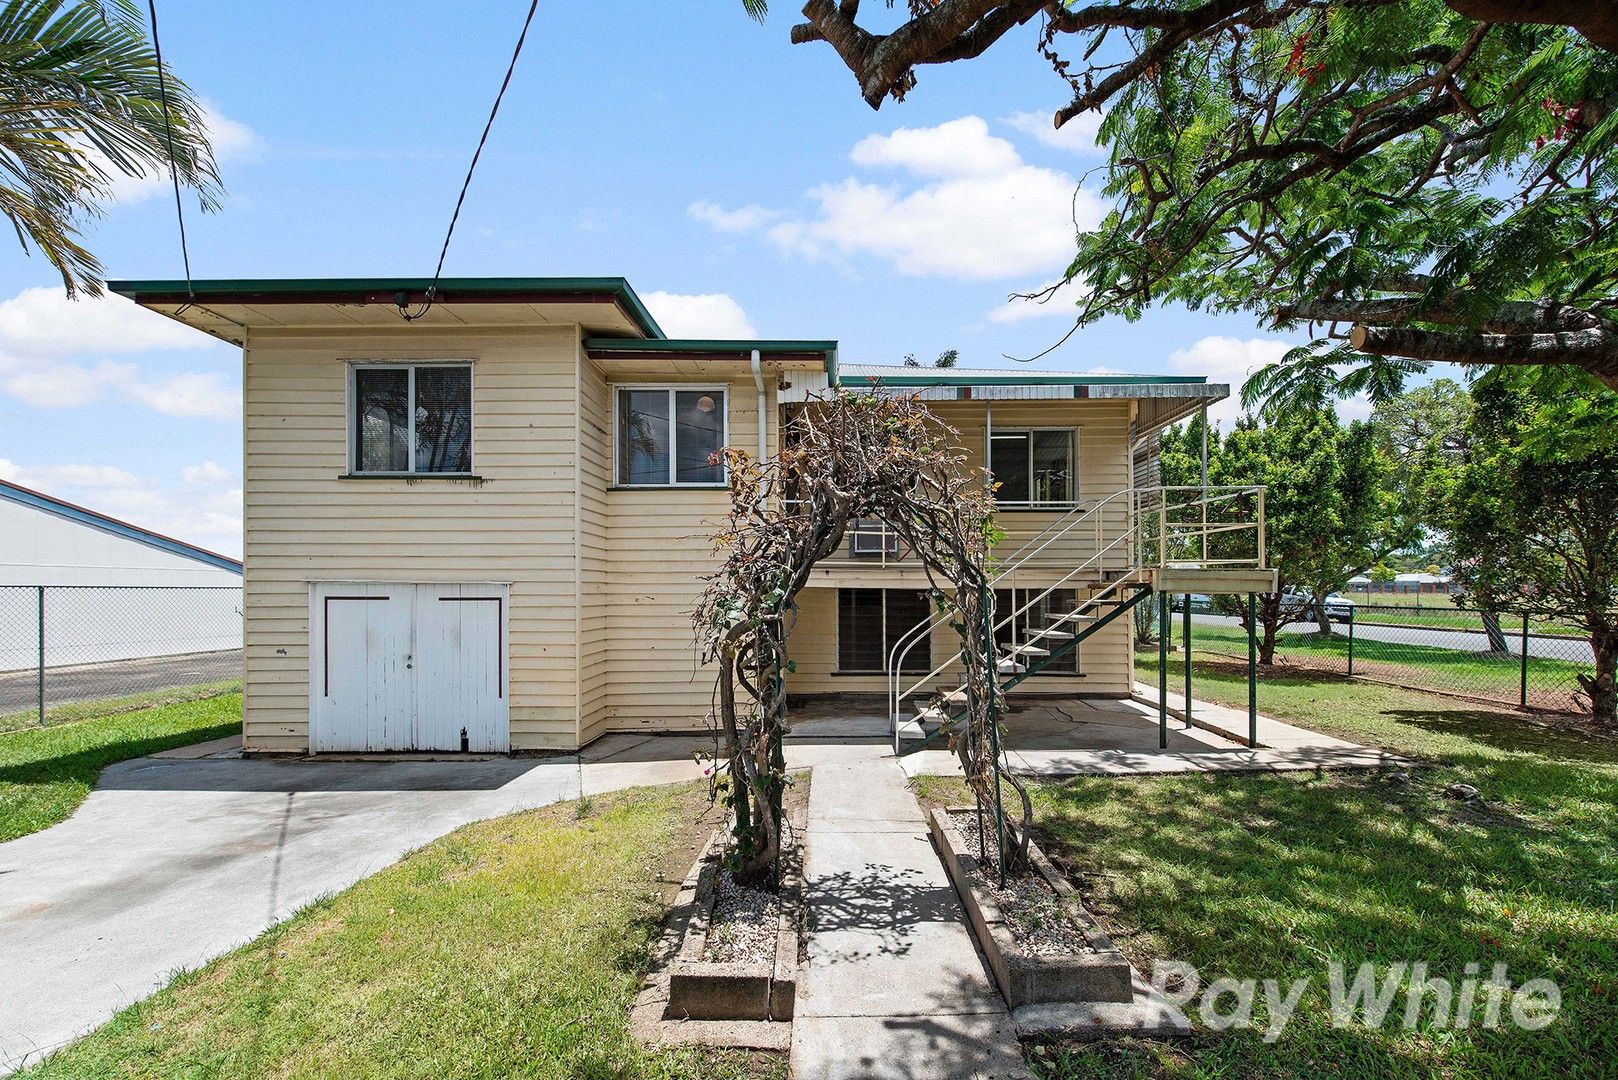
(87, 710)
(510, 948)
(1278, 876)
(45, 773)
(1551, 683)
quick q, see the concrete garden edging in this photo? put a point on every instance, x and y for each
(1098, 974)
(701, 989)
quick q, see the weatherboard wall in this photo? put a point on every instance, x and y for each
(515, 523)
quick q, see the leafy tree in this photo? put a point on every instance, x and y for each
(80, 106)
(1532, 512)
(946, 359)
(1324, 510)
(1430, 180)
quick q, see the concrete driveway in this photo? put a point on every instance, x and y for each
(171, 862)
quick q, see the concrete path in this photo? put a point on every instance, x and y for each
(894, 986)
(175, 860)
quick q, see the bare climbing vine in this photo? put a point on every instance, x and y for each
(845, 457)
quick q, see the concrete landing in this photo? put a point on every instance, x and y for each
(894, 986)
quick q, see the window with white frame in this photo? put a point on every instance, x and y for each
(1034, 467)
(411, 419)
(667, 436)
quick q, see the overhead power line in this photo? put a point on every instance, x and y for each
(168, 131)
(438, 271)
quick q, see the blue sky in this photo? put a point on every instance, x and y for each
(738, 181)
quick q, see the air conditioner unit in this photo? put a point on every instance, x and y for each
(872, 538)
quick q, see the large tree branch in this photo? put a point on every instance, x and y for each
(1595, 19)
(1595, 350)
(1513, 317)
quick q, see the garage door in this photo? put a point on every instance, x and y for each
(400, 666)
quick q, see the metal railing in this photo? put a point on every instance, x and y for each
(74, 651)
(1224, 521)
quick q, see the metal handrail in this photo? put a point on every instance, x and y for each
(1137, 496)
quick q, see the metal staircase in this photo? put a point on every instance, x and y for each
(1118, 576)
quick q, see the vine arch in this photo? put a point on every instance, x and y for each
(845, 457)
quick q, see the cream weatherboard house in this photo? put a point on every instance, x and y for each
(484, 528)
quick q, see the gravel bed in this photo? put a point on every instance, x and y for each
(744, 923)
(1035, 915)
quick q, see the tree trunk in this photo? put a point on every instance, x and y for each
(1497, 636)
(1321, 617)
(1269, 620)
(1602, 684)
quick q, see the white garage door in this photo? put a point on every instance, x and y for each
(398, 666)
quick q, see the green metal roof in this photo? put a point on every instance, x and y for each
(945, 379)
(378, 290)
(708, 345)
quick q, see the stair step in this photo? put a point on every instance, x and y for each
(1030, 650)
(955, 697)
(912, 731)
(1053, 635)
(932, 715)
(1075, 617)
(1010, 667)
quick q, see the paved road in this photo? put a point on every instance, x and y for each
(1554, 648)
(19, 690)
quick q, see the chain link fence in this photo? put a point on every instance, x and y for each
(70, 652)
(1532, 663)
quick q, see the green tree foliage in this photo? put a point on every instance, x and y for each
(1325, 506)
(1533, 511)
(1425, 180)
(80, 108)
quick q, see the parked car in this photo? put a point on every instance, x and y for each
(1339, 608)
(1199, 602)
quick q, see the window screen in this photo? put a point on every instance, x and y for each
(444, 419)
(382, 420)
(643, 437)
(699, 417)
(871, 621)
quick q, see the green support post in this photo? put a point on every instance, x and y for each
(994, 734)
(1351, 642)
(41, 599)
(1186, 645)
(1163, 624)
(1252, 671)
(1523, 695)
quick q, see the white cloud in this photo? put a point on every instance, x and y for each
(199, 394)
(1228, 360)
(703, 315)
(1062, 302)
(40, 328)
(43, 321)
(960, 147)
(1077, 136)
(209, 472)
(972, 209)
(232, 141)
(205, 509)
(742, 219)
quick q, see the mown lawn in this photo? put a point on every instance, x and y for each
(73, 712)
(45, 773)
(510, 948)
(1256, 877)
